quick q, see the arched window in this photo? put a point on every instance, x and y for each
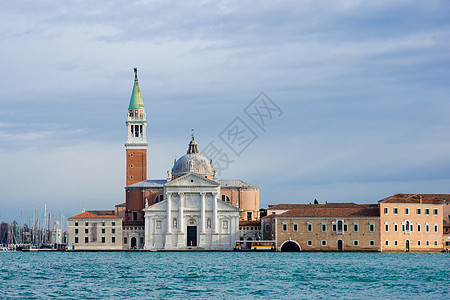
(225, 198)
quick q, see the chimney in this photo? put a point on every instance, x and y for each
(420, 199)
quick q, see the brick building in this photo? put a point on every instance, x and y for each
(324, 227)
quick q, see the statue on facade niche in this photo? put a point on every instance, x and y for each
(175, 223)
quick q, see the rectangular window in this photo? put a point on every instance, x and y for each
(113, 230)
(371, 227)
(103, 223)
(135, 215)
(76, 230)
(103, 239)
(427, 211)
(86, 230)
(386, 227)
(372, 243)
(113, 223)
(309, 227)
(76, 240)
(395, 243)
(386, 210)
(324, 227)
(395, 210)
(103, 230)
(113, 239)
(435, 228)
(395, 227)
(324, 243)
(406, 211)
(386, 243)
(86, 224)
(435, 243)
(427, 228)
(345, 227)
(267, 227)
(427, 243)
(334, 227)
(225, 224)
(284, 226)
(418, 243)
(355, 227)
(86, 239)
(249, 216)
(295, 227)
(435, 212)
(355, 243)
(309, 243)
(418, 211)
(76, 223)
(418, 227)
(125, 240)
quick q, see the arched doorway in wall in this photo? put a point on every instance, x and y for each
(133, 243)
(290, 246)
(340, 245)
(407, 246)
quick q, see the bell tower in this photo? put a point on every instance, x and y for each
(136, 143)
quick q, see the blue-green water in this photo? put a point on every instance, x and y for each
(232, 275)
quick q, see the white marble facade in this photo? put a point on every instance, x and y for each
(192, 216)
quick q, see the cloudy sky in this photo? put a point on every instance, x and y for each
(363, 89)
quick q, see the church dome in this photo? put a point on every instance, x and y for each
(193, 162)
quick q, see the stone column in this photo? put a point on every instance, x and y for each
(180, 213)
(203, 213)
(215, 221)
(202, 235)
(181, 243)
(168, 243)
(169, 212)
(147, 231)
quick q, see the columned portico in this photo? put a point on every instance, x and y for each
(191, 216)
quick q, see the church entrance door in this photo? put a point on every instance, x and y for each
(191, 236)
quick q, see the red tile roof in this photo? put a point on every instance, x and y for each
(122, 204)
(96, 214)
(249, 223)
(415, 198)
(332, 210)
(296, 205)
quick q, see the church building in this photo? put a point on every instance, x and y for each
(190, 208)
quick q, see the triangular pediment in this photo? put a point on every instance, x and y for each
(191, 180)
(157, 206)
(226, 206)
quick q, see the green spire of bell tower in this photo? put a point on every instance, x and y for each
(136, 98)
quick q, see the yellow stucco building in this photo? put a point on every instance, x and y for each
(412, 222)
